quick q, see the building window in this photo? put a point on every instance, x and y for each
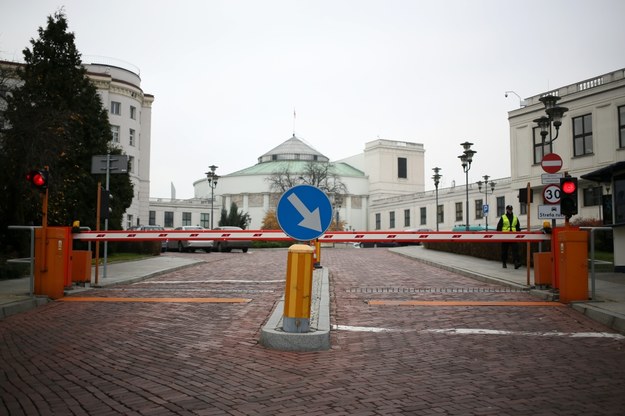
(402, 167)
(479, 209)
(501, 206)
(523, 208)
(378, 221)
(131, 164)
(152, 218)
(133, 112)
(204, 220)
(582, 135)
(406, 218)
(423, 216)
(168, 219)
(129, 221)
(459, 213)
(131, 138)
(115, 133)
(539, 150)
(186, 218)
(391, 219)
(621, 124)
(619, 199)
(592, 196)
(116, 108)
(440, 213)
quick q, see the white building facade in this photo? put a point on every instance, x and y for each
(130, 116)
(386, 183)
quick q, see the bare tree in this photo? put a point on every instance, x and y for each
(320, 174)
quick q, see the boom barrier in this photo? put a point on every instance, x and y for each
(328, 237)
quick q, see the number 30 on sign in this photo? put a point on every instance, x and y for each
(551, 194)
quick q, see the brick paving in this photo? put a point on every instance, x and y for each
(134, 358)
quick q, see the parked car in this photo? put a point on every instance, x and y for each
(463, 227)
(229, 245)
(418, 230)
(189, 245)
(376, 244)
(153, 228)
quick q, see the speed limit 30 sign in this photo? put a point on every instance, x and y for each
(551, 194)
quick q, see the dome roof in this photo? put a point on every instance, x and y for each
(293, 149)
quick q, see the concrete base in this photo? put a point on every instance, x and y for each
(318, 337)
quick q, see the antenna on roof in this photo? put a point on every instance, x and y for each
(294, 115)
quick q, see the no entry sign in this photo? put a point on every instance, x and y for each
(551, 163)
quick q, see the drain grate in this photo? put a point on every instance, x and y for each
(434, 290)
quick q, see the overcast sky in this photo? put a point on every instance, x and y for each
(228, 75)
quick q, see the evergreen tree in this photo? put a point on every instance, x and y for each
(234, 217)
(56, 119)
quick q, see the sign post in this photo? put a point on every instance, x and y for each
(304, 213)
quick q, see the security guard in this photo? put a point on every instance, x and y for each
(507, 223)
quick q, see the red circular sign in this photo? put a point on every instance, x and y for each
(551, 163)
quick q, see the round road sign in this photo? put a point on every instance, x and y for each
(551, 194)
(551, 163)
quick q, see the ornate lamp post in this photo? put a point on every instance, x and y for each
(554, 117)
(487, 184)
(437, 177)
(212, 183)
(466, 158)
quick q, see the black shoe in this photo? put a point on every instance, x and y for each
(504, 266)
(516, 266)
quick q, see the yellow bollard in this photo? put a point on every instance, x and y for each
(297, 296)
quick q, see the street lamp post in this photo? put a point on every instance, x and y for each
(553, 118)
(212, 183)
(437, 177)
(487, 184)
(338, 201)
(466, 158)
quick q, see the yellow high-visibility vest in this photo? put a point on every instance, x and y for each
(506, 223)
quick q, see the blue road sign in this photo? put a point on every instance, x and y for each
(304, 212)
(485, 209)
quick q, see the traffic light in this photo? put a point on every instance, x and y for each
(38, 179)
(568, 196)
(105, 203)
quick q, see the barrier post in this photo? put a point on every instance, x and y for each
(298, 291)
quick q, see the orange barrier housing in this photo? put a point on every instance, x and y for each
(52, 261)
(543, 269)
(81, 266)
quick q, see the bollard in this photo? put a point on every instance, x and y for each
(317, 263)
(298, 291)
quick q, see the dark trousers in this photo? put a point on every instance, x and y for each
(505, 247)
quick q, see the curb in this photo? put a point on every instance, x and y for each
(20, 306)
(318, 338)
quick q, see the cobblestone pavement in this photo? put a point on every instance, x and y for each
(183, 358)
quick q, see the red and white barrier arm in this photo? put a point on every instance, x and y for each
(328, 237)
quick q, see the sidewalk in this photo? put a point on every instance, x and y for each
(608, 307)
(15, 293)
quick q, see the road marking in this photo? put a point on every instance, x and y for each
(363, 329)
(210, 281)
(156, 300)
(458, 303)
(482, 331)
(479, 331)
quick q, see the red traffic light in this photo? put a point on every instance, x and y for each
(569, 186)
(38, 178)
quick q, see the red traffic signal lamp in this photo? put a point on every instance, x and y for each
(38, 179)
(568, 196)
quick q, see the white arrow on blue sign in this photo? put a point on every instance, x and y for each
(304, 212)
